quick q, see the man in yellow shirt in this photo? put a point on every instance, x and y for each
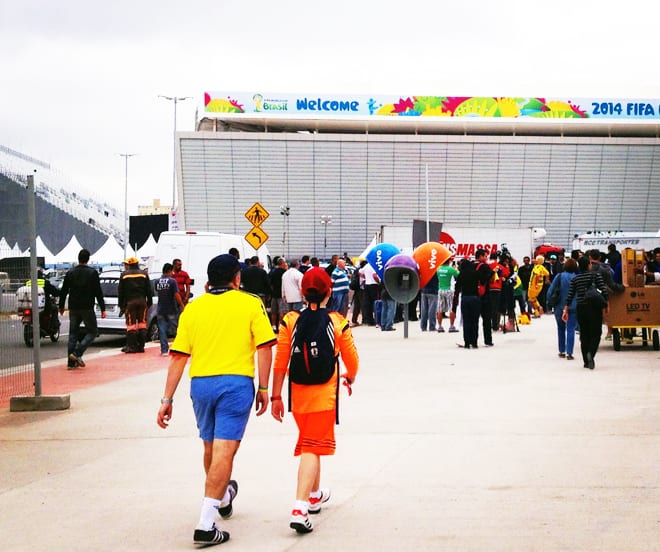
(219, 332)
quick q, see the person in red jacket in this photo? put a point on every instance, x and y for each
(314, 407)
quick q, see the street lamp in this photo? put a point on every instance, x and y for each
(325, 220)
(284, 211)
(126, 156)
(175, 100)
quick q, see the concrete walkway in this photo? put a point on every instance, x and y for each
(439, 449)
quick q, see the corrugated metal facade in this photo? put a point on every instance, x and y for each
(565, 185)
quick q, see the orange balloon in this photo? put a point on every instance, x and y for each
(430, 256)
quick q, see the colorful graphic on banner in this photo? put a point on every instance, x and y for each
(430, 106)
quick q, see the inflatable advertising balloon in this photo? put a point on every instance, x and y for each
(430, 256)
(378, 256)
(402, 278)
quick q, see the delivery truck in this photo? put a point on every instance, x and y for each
(196, 249)
(463, 241)
(633, 240)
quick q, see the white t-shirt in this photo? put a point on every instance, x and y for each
(292, 286)
(370, 276)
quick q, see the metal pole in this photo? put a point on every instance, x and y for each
(34, 288)
(174, 100)
(126, 156)
(428, 223)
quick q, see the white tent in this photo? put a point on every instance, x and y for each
(16, 250)
(69, 254)
(148, 249)
(109, 253)
(42, 251)
(5, 250)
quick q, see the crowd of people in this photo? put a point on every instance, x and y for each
(220, 334)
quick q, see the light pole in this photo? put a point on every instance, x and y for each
(325, 220)
(175, 100)
(126, 156)
(284, 211)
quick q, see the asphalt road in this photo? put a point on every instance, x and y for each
(16, 353)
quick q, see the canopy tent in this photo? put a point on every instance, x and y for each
(110, 253)
(148, 249)
(68, 255)
(42, 251)
(5, 249)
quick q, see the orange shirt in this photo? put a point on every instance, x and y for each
(316, 398)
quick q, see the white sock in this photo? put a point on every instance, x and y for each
(208, 514)
(224, 501)
(316, 494)
(301, 505)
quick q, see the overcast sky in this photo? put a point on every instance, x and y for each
(80, 78)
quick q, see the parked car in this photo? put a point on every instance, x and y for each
(114, 323)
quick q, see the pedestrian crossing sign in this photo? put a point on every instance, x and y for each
(257, 214)
(256, 237)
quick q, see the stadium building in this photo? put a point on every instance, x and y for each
(566, 165)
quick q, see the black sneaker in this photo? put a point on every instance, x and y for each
(209, 538)
(226, 511)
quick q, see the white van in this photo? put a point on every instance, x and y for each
(196, 249)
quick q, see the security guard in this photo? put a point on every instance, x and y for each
(135, 298)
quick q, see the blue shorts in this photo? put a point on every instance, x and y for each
(222, 406)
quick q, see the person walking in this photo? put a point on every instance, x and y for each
(220, 332)
(83, 286)
(135, 296)
(169, 306)
(589, 318)
(538, 278)
(314, 407)
(565, 329)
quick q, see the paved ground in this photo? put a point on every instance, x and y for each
(439, 448)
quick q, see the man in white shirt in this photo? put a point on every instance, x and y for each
(292, 287)
(371, 283)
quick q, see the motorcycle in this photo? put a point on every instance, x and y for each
(49, 323)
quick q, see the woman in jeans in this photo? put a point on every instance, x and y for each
(565, 330)
(589, 318)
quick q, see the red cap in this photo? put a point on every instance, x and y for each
(316, 284)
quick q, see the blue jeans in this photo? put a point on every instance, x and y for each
(566, 331)
(165, 323)
(428, 310)
(340, 302)
(387, 315)
(76, 318)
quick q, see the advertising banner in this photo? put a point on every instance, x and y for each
(347, 105)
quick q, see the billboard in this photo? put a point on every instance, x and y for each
(347, 105)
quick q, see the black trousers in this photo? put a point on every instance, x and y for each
(486, 318)
(590, 321)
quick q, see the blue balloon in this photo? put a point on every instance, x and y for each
(378, 256)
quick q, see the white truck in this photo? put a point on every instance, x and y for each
(196, 249)
(463, 241)
(600, 240)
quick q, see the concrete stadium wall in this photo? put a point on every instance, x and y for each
(565, 185)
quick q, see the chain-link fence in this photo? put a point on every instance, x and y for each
(19, 351)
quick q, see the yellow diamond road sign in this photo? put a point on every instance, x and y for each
(256, 237)
(257, 214)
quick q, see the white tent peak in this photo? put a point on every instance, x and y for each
(110, 253)
(69, 253)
